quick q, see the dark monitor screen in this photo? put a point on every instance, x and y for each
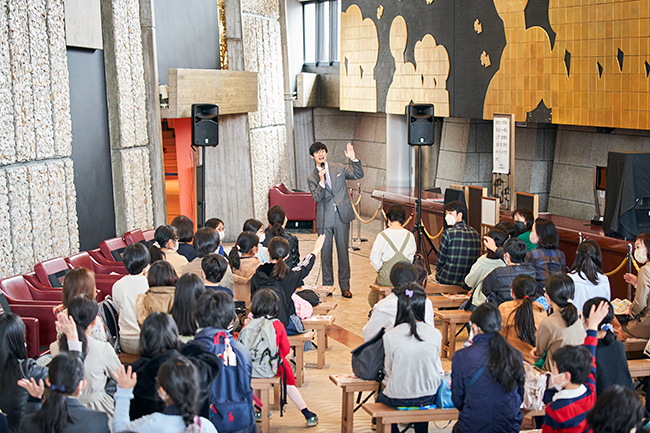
(454, 195)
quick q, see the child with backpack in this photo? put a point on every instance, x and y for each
(231, 396)
(266, 339)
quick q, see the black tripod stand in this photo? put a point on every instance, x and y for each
(418, 229)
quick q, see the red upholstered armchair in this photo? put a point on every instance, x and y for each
(300, 206)
(112, 249)
(84, 260)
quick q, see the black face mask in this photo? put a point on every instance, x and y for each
(520, 226)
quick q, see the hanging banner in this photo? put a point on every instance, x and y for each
(501, 144)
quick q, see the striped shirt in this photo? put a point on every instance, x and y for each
(566, 410)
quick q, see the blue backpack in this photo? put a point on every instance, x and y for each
(231, 396)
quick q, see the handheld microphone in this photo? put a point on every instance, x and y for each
(322, 165)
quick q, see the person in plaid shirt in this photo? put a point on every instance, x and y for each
(460, 246)
(546, 258)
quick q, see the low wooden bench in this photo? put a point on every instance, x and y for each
(435, 288)
(324, 308)
(349, 385)
(450, 318)
(128, 358)
(319, 324)
(442, 302)
(639, 367)
(264, 387)
(382, 291)
(387, 415)
(297, 343)
(635, 344)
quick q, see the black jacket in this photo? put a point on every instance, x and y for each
(287, 286)
(83, 420)
(498, 282)
(186, 250)
(13, 399)
(208, 366)
(294, 257)
(145, 398)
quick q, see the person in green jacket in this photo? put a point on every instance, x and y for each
(524, 220)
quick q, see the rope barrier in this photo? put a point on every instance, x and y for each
(405, 222)
(618, 268)
(366, 221)
(427, 233)
(357, 202)
(636, 265)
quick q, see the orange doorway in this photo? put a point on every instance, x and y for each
(179, 159)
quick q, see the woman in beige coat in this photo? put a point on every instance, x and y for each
(640, 309)
(244, 264)
(160, 296)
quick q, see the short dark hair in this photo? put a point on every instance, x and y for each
(214, 266)
(135, 258)
(617, 410)
(206, 241)
(403, 273)
(252, 225)
(547, 233)
(157, 335)
(500, 236)
(215, 309)
(396, 213)
(645, 239)
(528, 216)
(517, 249)
(457, 206)
(162, 274)
(185, 227)
(213, 223)
(265, 302)
(316, 146)
(577, 360)
(508, 227)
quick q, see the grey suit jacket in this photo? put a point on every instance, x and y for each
(337, 195)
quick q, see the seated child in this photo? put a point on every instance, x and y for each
(573, 370)
(217, 224)
(617, 410)
(214, 267)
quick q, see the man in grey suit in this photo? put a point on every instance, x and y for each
(328, 187)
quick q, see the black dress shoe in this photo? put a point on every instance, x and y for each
(346, 294)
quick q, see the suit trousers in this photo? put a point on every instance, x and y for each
(340, 234)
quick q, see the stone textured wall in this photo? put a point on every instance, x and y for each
(38, 215)
(534, 152)
(125, 82)
(270, 160)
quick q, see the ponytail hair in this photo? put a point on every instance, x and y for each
(411, 300)
(606, 323)
(179, 379)
(505, 363)
(84, 312)
(588, 261)
(278, 249)
(276, 216)
(162, 236)
(524, 287)
(65, 372)
(246, 241)
(561, 290)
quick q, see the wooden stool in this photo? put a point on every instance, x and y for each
(128, 358)
(450, 318)
(324, 308)
(264, 386)
(319, 324)
(322, 291)
(448, 301)
(297, 343)
(382, 291)
(386, 415)
(349, 385)
(639, 367)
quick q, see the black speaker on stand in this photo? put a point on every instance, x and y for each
(205, 133)
(420, 133)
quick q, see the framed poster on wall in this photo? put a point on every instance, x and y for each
(502, 124)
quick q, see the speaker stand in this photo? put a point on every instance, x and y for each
(200, 210)
(418, 228)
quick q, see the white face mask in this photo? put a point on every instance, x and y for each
(534, 238)
(222, 234)
(262, 237)
(175, 248)
(558, 387)
(641, 255)
(450, 219)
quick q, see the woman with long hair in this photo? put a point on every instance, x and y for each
(277, 274)
(177, 387)
(277, 217)
(162, 280)
(188, 289)
(611, 362)
(521, 316)
(487, 378)
(165, 247)
(254, 226)
(81, 281)
(412, 364)
(546, 257)
(98, 356)
(562, 327)
(639, 326)
(61, 412)
(243, 263)
(587, 275)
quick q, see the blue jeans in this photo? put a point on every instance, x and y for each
(420, 427)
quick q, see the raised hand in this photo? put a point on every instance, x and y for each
(318, 245)
(34, 389)
(125, 378)
(596, 315)
(349, 152)
(67, 326)
(630, 278)
(489, 243)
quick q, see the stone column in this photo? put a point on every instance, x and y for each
(398, 162)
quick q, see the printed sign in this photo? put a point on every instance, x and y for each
(501, 144)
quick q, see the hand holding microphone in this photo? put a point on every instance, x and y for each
(322, 172)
